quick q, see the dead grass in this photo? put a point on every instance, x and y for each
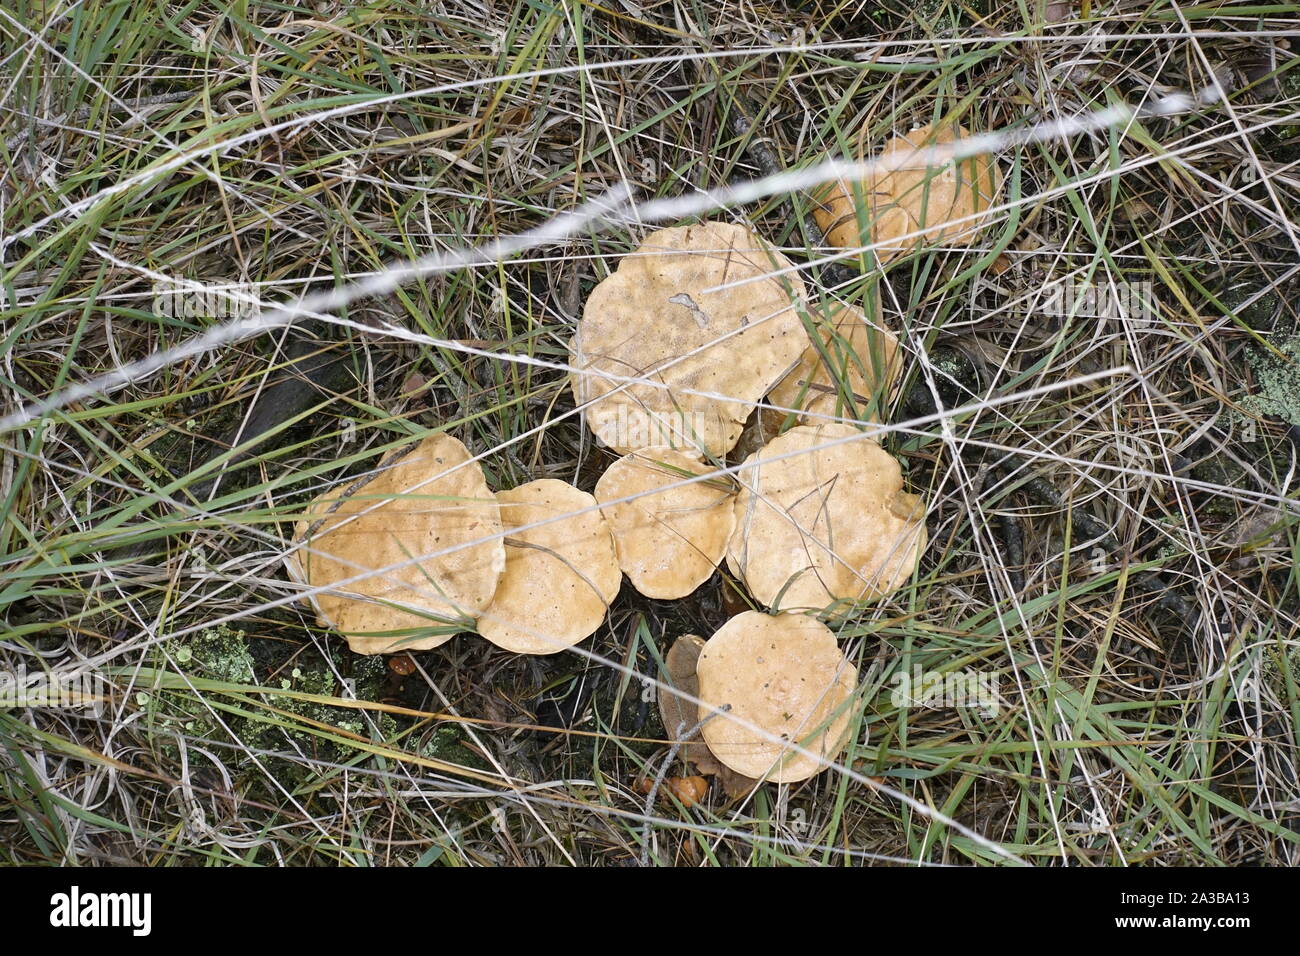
(238, 732)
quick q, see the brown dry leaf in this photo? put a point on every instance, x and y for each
(1058, 11)
(688, 790)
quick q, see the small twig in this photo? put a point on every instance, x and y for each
(676, 746)
(1045, 493)
(310, 371)
(1188, 614)
(1013, 537)
(1012, 534)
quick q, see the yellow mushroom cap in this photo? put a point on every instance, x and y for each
(863, 355)
(781, 673)
(679, 713)
(560, 576)
(429, 499)
(652, 319)
(910, 197)
(815, 524)
(669, 541)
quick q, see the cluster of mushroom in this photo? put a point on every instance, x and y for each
(422, 550)
(674, 351)
(694, 329)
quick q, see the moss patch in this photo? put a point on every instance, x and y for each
(229, 655)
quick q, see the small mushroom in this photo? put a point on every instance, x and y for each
(907, 196)
(401, 665)
(679, 714)
(821, 518)
(715, 353)
(688, 790)
(785, 675)
(669, 541)
(560, 576)
(849, 376)
(429, 502)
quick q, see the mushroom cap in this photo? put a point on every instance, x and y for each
(652, 319)
(560, 576)
(815, 525)
(911, 196)
(785, 674)
(680, 714)
(425, 500)
(677, 711)
(863, 355)
(669, 542)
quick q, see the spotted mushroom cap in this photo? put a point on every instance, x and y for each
(785, 675)
(911, 197)
(429, 501)
(669, 541)
(560, 576)
(821, 516)
(860, 354)
(652, 319)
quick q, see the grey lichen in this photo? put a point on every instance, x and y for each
(221, 653)
(1278, 376)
